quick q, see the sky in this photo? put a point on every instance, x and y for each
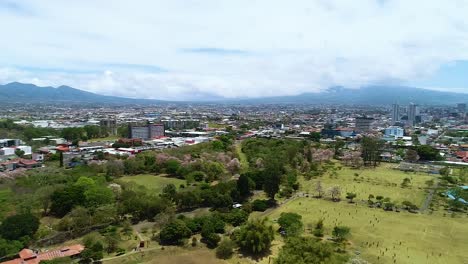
(197, 49)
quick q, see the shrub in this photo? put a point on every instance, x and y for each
(225, 249)
(260, 205)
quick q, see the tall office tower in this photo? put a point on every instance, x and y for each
(412, 113)
(461, 108)
(363, 124)
(395, 113)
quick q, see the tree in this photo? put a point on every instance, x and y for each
(273, 170)
(196, 175)
(340, 233)
(16, 226)
(318, 231)
(234, 166)
(388, 206)
(112, 240)
(169, 192)
(315, 136)
(371, 150)
(43, 196)
(406, 182)
(319, 189)
(411, 155)
(93, 252)
(172, 166)
(225, 249)
(236, 217)
(208, 233)
(114, 168)
(19, 152)
(302, 250)
(9, 247)
(428, 153)
(174, 233)
(96, 196)
(350, 197)
(244, 185)
(335, 193)
(255, 237)
(291, 223)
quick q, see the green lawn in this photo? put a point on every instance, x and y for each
(382, 180)
(414, 238)
(154, 182)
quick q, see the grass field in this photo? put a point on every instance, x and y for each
(382, 180)
(5, 199)
(401, 237)
(154, 182)
(170, 255)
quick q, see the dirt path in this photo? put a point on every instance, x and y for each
(429, 197)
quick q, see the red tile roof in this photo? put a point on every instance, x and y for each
(27, 256)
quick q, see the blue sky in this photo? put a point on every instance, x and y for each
(181, 49)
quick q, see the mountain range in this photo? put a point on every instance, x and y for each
(370, 95)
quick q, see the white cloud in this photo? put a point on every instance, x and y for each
(242, 48)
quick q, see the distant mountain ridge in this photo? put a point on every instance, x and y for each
(371, 95)
(16, 92)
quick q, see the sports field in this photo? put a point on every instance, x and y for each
(388, 237)
(383, 180)
(154, 182)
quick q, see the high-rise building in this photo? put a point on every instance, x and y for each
(461, 109)
(395, 113)
(363, 124)
(412, 113)
(148, 131)
(110, 124)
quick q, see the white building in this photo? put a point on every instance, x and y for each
(394, 131)
(27, 149)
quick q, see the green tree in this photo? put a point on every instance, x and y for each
(19, 153)
(340, 233)
(350, 197)
(291, 223)
(225, 250)
(9, 247)
(174, 233)
(244, 185)
(428, 153)
(172, 166)
(169, 192)
(255, 237)
(20, 225)
(371, 150)
(307, 250)
(92, 252)
(96, 196)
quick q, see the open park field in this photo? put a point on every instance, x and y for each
(170, 255)
(153, 182)
(388, 237)
(383, 180)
